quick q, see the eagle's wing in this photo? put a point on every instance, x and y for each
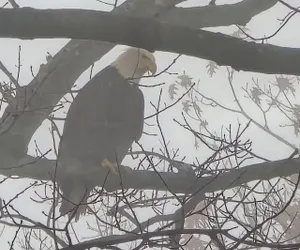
(105, 114)
(104, 119)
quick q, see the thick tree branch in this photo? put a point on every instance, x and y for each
(43, 169)
(151, 34)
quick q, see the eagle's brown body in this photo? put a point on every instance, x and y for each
(105, 118)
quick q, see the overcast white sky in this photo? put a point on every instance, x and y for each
(217, 87)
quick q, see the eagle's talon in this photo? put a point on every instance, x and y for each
(111, 166)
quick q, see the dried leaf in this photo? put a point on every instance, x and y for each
(185, 81)
(186, 106)
(296, 114)
(256, 93)
(211, 68)
(204, 124)
(273, 102)
(173, 91)
(284, 84)
(197, 108)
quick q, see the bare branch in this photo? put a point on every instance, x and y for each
(9, 74)
(13, 3)
(116, 239)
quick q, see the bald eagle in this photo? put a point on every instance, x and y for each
(103, 121)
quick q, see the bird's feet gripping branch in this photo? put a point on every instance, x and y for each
(113, 167)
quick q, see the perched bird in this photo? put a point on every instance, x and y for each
(103, 121)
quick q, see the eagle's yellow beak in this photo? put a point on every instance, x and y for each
(152, 67)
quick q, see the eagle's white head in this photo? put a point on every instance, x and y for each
(134, 63)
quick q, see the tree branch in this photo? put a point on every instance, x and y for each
(150, 34)
(43, 169)
(117, 239)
